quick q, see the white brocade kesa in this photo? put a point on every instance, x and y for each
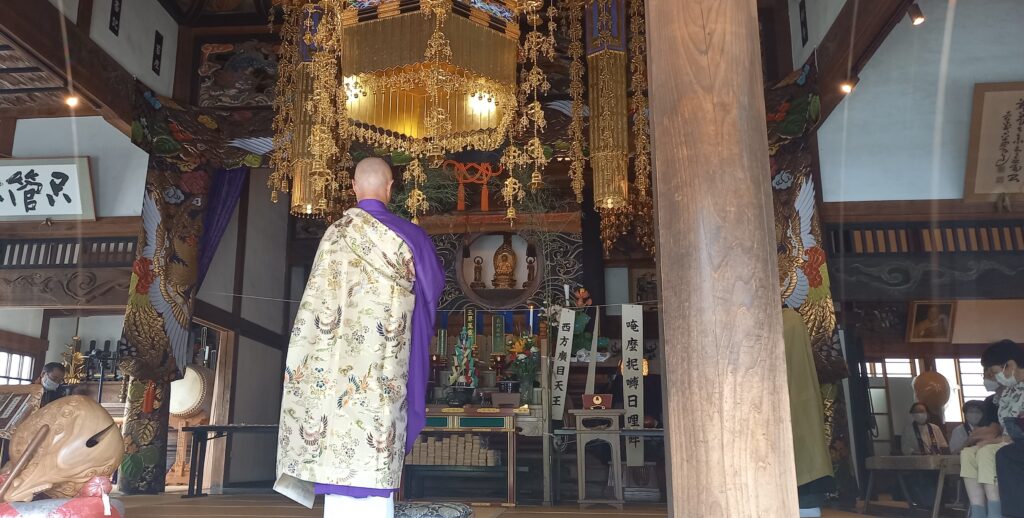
(343, 413)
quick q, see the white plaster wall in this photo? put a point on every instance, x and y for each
(616, 289)
(97, 327)
(985, 321)
(68, 7)
(133, 46)
(257, 401)
(903, 133)
(25, 321)
(118, 167)
(221, 277)
(265, 249)
(820, 15)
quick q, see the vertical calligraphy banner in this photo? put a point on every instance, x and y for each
(563, 348)
(633, 379)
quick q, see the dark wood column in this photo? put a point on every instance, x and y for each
(727, 408)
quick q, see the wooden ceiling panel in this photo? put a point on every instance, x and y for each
(25, 85)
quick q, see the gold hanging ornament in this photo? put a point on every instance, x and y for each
(534, 83)
(311, 124)
(577, 161)
(609, 115)
(637, 217)
(430, 83)
(417, 202)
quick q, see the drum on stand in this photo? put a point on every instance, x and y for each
(190, 401)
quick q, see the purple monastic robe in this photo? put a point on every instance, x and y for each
(428, 287)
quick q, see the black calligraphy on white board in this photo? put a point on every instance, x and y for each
(1008, 162)
(28, 191)
(115, 17)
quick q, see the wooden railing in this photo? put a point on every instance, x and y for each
(925, 237)
(92, 252)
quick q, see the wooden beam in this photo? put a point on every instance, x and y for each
(855, 35)
(913, 210)
(36, 27)
(103, 227)
(7, 127)
(84, 19)
(721, 319)
(247, 328)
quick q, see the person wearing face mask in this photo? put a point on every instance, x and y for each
(921, 438)
(52, 380)
(978, 461)
(974, 417)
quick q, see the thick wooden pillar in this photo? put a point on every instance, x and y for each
(726, 402)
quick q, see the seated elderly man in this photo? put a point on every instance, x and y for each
(978, 460)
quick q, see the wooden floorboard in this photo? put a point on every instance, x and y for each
(259, 505)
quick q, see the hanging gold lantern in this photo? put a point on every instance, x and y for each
(609, 111)
(310, 126)
(429, 76)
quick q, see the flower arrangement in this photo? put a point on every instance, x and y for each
(524, 363)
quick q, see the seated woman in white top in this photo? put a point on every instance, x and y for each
(921, 437)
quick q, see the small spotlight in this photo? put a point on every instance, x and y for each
(847, 86)
(916, 14)
(71, 101)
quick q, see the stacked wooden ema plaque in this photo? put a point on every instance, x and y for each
(453, 450)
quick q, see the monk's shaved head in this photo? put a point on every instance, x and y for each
(373, 180)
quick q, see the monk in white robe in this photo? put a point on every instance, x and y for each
(358, 360)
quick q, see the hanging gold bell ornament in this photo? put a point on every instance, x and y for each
(609, 111)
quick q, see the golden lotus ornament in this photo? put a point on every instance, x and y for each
(430, 77)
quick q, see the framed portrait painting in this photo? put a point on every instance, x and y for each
(931, 321)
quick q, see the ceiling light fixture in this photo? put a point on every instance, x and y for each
(847, 86)
(916, 14)
(71, 101)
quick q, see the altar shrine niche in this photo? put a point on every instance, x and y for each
(544, 262)
(503, 259)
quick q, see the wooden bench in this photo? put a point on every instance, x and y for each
(945, 465)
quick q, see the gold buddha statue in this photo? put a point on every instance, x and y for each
(504, 266)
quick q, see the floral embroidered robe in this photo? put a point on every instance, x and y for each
(343, 413)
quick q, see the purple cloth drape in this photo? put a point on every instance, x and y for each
(221, 200)
(427, 289)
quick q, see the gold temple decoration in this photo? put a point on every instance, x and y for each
(505, 265)
(577, 161)
(637, 218)
(609, 112)
(311, 133)
(417, 201)
(533, 83)
(427, 82)
(74, 362)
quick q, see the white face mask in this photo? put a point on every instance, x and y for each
(920, 418)
(991, 385)
(973, 418)
(49, 384)
(1006, 381)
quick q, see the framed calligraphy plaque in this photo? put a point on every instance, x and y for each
(995, 155)
(41, 188)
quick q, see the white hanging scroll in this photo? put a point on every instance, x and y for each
(633, 379)
(560, 375)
